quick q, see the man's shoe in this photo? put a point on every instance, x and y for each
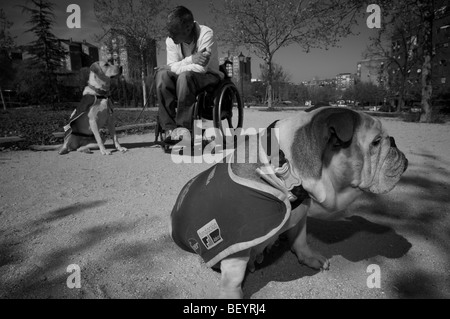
(166, 137)
(178, 134)
(172, 137)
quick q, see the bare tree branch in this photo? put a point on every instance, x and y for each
(265, 26)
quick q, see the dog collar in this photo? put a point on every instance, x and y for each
(101, 94)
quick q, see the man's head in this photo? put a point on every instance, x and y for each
(180, 24)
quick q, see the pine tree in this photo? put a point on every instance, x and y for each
(45, 50)
(6, 43)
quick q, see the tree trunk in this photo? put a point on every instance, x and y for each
(269, 84)
(3, 99)
(401, 102)
(401, 95)
(134, 95)
(427, 88)
(144, 91)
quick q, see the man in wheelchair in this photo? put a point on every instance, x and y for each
(192, 66)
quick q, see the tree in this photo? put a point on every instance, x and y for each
(410, 24)
(279, 78)
(425, 13)
(397, 42)
(46, 52)
(264, 27)
(141, 25)
(6, 44)
(365, 93)
(301, 94)
(321, 94)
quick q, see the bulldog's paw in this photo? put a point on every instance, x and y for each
(121, 149)
(312, 259)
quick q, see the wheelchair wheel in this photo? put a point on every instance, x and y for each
(228, 109)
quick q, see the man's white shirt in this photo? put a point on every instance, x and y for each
(179, 64)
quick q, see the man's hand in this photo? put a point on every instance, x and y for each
(201, 58)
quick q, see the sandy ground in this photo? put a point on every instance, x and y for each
(110, 216)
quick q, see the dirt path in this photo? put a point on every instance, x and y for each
(110, 216)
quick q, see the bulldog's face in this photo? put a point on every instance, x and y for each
(338, 153)
(382, 163)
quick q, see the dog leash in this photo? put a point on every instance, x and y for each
(279, 175)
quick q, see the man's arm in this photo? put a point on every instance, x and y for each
(173, 58)
(206, 43)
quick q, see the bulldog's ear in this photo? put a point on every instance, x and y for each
(311, 140)
(95, 67)
(342, 125)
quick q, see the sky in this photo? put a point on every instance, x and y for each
(301, 66)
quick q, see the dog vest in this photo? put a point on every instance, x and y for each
(218, 213)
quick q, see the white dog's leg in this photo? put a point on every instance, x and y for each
(98, 138)
(233, 272)
(71, 143)
(65, 147)
(88, 148)
(112, 132)
(305, 255)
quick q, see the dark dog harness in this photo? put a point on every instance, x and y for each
(218, 213)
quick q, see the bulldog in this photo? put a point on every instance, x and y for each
(92, 113)
(321, 161)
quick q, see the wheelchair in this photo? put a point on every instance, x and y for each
(220, 104)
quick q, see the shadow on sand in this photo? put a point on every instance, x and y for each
(418, 207)
(354, 238)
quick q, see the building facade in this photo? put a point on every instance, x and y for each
(408, 53)
(237, 69)
(372, 71)
(441, 46)
(316, 82)
(345, 81)
(79, 54)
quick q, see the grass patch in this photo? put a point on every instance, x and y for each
(37, 124)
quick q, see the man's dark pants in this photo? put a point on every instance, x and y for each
(180, 91)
